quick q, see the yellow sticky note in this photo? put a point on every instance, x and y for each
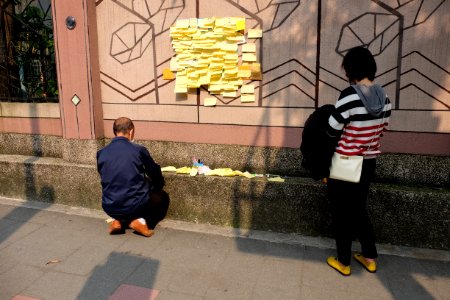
(256, 71)
(249, 48)
(228, 87)
(183, 170)
(202, 71)
(210, 101)
(193, 172)
(244, 73)
(276, 179)
(215, 66)
(229, 47)
(183, 23)
(229, 94)
(173, 64)
(254, 33)
(193, 84)
(168, 169)
(181, 89)
(193, 22)
(246, 98)
(240, 24)
(220, 22)
(248, 89)
(181, 80)
(193, 76)
(248, 57)
(232, 56)
(167, 74)
(228, 66)
(203, 80)
(215, 87)
(206, 22)
(230, 72)
(236, 38)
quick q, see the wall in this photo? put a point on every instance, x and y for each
(113, 61)
(301, 51)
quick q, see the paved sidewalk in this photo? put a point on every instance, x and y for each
(59, 252)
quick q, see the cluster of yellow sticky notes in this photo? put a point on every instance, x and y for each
(207, 54)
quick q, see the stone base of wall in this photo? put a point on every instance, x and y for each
(426, 170)
(402, 215)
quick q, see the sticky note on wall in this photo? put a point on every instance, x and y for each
(254, 33)
(249, 48)
(247, 89)
(246, 98)
(248, 57)
(210, 101)
(167, 74)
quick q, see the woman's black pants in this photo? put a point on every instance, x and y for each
(349, 213)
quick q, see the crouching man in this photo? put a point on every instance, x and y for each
(132, 183)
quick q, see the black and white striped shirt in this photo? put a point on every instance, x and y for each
(361, 130)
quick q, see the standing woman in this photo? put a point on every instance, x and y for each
(362, 113)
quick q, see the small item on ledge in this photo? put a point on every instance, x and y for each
(203, 170)
(169, 169)
(184, 170)
(276, 179)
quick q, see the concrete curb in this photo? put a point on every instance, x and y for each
(274, 237)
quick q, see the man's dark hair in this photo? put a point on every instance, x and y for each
(122, 125)
(358, 64)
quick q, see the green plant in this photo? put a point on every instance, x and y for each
(31, 63)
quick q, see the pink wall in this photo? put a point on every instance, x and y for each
(47, 126)
(77, 66)
(393, 142)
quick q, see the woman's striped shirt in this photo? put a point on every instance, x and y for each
(361, 130)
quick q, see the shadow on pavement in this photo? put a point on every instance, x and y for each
(120, 269)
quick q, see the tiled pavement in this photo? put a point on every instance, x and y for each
(56, 252)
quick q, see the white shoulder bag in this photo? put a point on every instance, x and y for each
(348, 167)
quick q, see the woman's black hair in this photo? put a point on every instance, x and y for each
(358, 64)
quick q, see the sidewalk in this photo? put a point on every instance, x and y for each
(59, 252)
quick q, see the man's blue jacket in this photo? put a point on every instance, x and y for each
(128, 173)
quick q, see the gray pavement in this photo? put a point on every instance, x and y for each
(61, 252)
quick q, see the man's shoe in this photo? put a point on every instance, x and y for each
(141, 228)
(338, 266)
(370, 266)
(115, 227)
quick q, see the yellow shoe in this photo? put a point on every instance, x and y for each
(335, 264)
(369, 266)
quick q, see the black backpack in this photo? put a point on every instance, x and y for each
(317, 144)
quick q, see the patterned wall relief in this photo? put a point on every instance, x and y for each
(300, 54)
(410, 42)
